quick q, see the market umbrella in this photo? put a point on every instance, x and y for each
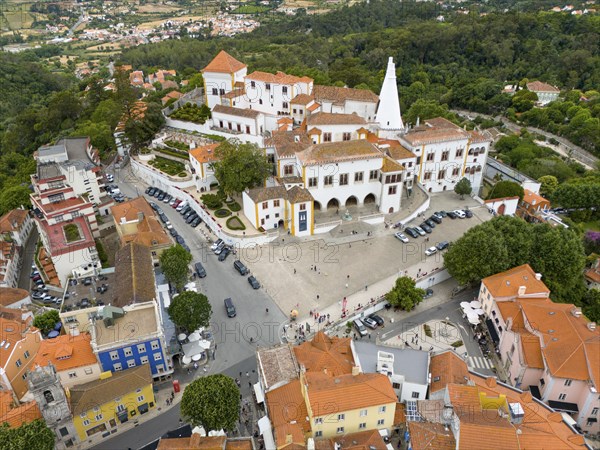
(194, 337)
(480, 312)
(205, 345)
(181, 337)
(186, 360)
(197, 357)
(294, 313)
(473, 320)
(475, 304)
(465, 305)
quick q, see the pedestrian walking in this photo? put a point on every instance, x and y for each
(267, 310)
(366, 287)
(248, 374)
(294, 271)
(250, 384)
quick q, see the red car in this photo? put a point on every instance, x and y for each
(176, 204)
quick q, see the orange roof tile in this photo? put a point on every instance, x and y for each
(224, 63)
(66, 352)
(194, 442)
(447, 368)
(129, 210)
(15, 416)
(326, 353)
(13, 220)
(362, 440)
(389, 165)
(8, 296)
(302, 99)
(11, 332)
(533, 199)
(506, 284)
(540, 86)
(347, 392)
(330, 152)
(314, 107)
(205, 153)
(337, 94)
(278, 78)
(430, 436)
(286, 405)
(400, 415)
(239, 444)
(289, 433)
(322, 118)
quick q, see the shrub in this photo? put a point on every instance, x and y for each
(427, 330)
(222, 212)
(168, 166)
(234, 223)
(173, 153)
(182, 174)
(102, 253)
(235, 206)
(71, 232)
(192, 113)
(457, 344)
(212, 201)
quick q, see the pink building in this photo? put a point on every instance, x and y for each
(548, 348)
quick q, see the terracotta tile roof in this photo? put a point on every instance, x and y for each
(302, 99)
(224, 63)
(289, 433)
(238, 112)
(264, 194)
(540, 86)
(129, 210)
(341, 94)
(194, 442)
(463, 396)
(172, 94)
(400, 415)
(8, 296)
(15, 217)
(235, 93)
(296, 194)
(15, 416)
(430, 136)
(95, 393)
(447, 368)
(532, 351)
(66, 352)
(326, 353)
(442, 123)
(593, 274)
(286, 405)
(347, 392)
(11, 332)
(287, 143)
(430, 436)
(204, 154)
(389, 165)
(506, 284)
(314, 107)
(322, 118)
(477, 137)
(278, 78)
(285, 120)
(362, 440)
(135, 275)
(533, 199)
(338, 151)
(239, 444)
(314, 131)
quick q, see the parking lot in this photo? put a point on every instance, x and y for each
(315, 274)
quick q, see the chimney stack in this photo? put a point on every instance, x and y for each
(538, 276)
(522, 290)
(591, 326)
(576, 312)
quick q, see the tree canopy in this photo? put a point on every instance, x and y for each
(14, 197)
(463, 187)
(506, 188)
(31, 436)
(505, 242)
(46, 321)
(190, 311)
(174, 263)
(212, 402)
(240, 166)
(405, 295)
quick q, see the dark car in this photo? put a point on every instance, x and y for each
(436, 218)
(173, 232)
(441, 213)
(451, 214)
(148, 189)
(229, 308)
(224, 254)
(426, 228)
(152, 191)
(411, 232)
(431, 223)
(158, 193)
(161, 196)
(468, 213)
(428, 293)
(163, 218)
(180, 240)
(196, 222)
(368, 321)
(377, 319)
(185, 210)
(200, 271)
(442, 245)
(240, 267)
(253, 282)
(153, 205)
(191, 217)
(186, 247)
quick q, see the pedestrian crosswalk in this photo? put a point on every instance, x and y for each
(479, 362)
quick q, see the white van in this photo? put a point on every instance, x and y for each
(360, 327)
(181, 206)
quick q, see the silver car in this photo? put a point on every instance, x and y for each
(420, 230)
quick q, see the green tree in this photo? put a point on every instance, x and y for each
(141, 128)
(425, 109)
(506, 189)
(240, 166)
(463, 187)
(591, 305)
(31, 436)
(405, 295)
(524, 100)
(212, 402)
(549, 185)
(47, 321)
(14, 197)
(100, 134)
(174, 263)
(571, 195)
(190, 311)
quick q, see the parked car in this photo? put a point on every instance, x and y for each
(36, 295)
(153, 205)
(442, 245)
(151, 191)
(460, 214)
(186, 247)
(161, 196)
(411, 232)
(430, 222)
(436, 218)
(110, 178)
(167, 198)
(224, 254)
(196, 222)
(215, 244)
(200, 270)
(220, 248)
(426, 228)
(431, 251)
(163, 218)
(182, 205)
(360, 327)
(419, 230)
(173, 201)
(369, 322)
(468, 213)
(173, 232)
(240, 267)
(176, 203)
(148, 190)
(253, 282)
(428, 293)
(377, 319)
(451, 214)
(229, 307)
(440, 213)
(401, 237)
(191, 218)
(158, 193)
(185, 210)
(180, 240)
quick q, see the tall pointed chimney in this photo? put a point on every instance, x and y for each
(388, 112)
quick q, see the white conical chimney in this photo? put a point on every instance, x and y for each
(388, 112)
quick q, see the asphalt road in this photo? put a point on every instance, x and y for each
(28, 252)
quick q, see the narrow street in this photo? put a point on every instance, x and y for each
(27, 261)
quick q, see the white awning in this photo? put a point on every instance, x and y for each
(264, 425)
(384, 432)
(260, 398)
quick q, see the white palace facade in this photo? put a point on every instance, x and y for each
(334, 147)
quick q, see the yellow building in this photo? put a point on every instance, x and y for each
(102, 405)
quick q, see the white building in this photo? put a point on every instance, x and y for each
(327, 127)
(235, 120)
(220, 76)
(16, 224)
(201, 159)
(343, 100)
(546, 92)
(15, 227)
(388, 112)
